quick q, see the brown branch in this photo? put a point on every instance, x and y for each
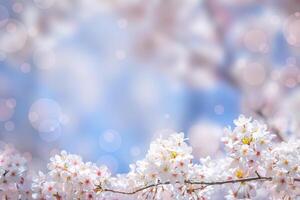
(231, 181)
(204, 183)
(136, 191)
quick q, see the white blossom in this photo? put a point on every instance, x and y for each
(70, 178)
(14, 183)
(253, 163)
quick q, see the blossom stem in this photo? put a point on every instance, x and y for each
(258, 178)
(138, 190)
(231, 181)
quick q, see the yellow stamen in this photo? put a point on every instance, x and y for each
(247, 140)
(174, 154)
(239, 173)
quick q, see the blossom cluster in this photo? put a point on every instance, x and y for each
(69, 178)
(283, 165)
(14, 179)
(247, 146)
(253, 166)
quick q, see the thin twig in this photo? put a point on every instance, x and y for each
(204, 183)
(138, 190)
(258, 175)
(231, 181)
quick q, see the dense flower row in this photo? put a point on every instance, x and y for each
(254, 166)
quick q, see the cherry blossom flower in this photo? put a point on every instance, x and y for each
(254, 163)
(69, 178)
(14, 183)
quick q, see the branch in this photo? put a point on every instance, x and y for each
(231, 181)
(204, 183)
(136, 191)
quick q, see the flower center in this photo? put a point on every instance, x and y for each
(174, 154)
(247, 140)
(239, 173)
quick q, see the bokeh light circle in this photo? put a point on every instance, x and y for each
(7, 108)
(17, 7)
(292, 29)
(110, 141)
(44, 115)
(256, 40)
(205, 139)
(249, 72)
(13, 36)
